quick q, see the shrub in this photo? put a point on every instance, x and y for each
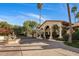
(75, 36)
(65, 37)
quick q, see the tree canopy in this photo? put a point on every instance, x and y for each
(4, 24)
(77, 15)
(30, 24)
(39, 5)
(74, 9)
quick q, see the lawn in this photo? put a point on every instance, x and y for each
(75, 43)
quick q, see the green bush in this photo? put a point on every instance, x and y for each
(65, 37)
(75, 36)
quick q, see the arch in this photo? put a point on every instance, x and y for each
(55, 31)
(47, 32)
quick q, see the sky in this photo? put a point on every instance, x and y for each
(17, 13)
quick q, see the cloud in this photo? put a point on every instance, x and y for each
(19, 19)
(48, 8)
(11, 19)
(3, 18)
(35, 16)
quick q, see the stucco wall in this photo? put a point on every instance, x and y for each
(50, 24)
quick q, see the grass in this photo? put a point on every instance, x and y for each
(75, 43)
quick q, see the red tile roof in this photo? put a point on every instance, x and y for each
(3, 30)
(75, 25)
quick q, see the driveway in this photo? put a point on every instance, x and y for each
(38, 47)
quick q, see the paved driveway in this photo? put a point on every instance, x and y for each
(37, 47)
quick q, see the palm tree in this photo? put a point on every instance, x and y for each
(77, 16)
(70, 25)
(39, 6)
(73, 10)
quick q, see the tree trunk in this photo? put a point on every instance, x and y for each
(70, 24)
(39, 16)
(74, 17)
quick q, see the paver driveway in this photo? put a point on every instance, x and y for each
(37, 47)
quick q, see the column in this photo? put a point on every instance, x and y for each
(44, 34)
(60, 32)
(36, 34)
(50, 33)
(40, 35)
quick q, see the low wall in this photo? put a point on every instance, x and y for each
(2, 38)
(5, 40)
(13, 41)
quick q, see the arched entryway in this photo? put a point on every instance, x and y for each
(47, 32)
(55, 31)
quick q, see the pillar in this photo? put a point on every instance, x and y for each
(44, 34)
(40, 35)
(60, 32)
(50, 33)
(36, 34)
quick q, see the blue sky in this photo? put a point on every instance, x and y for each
(17, 13)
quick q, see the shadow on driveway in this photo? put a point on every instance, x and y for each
(50, 45)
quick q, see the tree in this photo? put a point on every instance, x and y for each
(70, 24)
(77, 16)
(19, 30)
(4, 24)
(5, 28)
(73, 10)
(29, 25)
(39, 6)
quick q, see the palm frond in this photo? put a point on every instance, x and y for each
(74, 9)
(77, 15)
(39, 5)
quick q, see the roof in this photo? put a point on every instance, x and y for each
(75, 25)
(3, 30)
(54, 21)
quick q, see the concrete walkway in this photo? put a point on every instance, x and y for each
(36, 47)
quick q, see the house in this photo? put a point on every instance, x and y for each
(3, 34)
(76, 26)
(45, 30)
(7, 36)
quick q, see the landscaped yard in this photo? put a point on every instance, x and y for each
(75, 43)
